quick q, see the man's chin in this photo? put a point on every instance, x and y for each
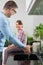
(8, 16)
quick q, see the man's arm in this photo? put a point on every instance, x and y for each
(9, 35)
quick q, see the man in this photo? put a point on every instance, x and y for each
(6, 33)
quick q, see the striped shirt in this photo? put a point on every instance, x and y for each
(22, 36)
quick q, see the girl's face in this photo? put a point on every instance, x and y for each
(18, 26)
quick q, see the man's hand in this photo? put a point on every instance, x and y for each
(27, 49)
(10, 46)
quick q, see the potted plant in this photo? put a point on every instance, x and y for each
(38, 31)
(29, 40)
(6, 43)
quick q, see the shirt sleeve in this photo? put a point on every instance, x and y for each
(5, 28)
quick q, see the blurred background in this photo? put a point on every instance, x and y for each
(29, 21)
(33, 24)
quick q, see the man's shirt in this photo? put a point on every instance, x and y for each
(7, 33)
